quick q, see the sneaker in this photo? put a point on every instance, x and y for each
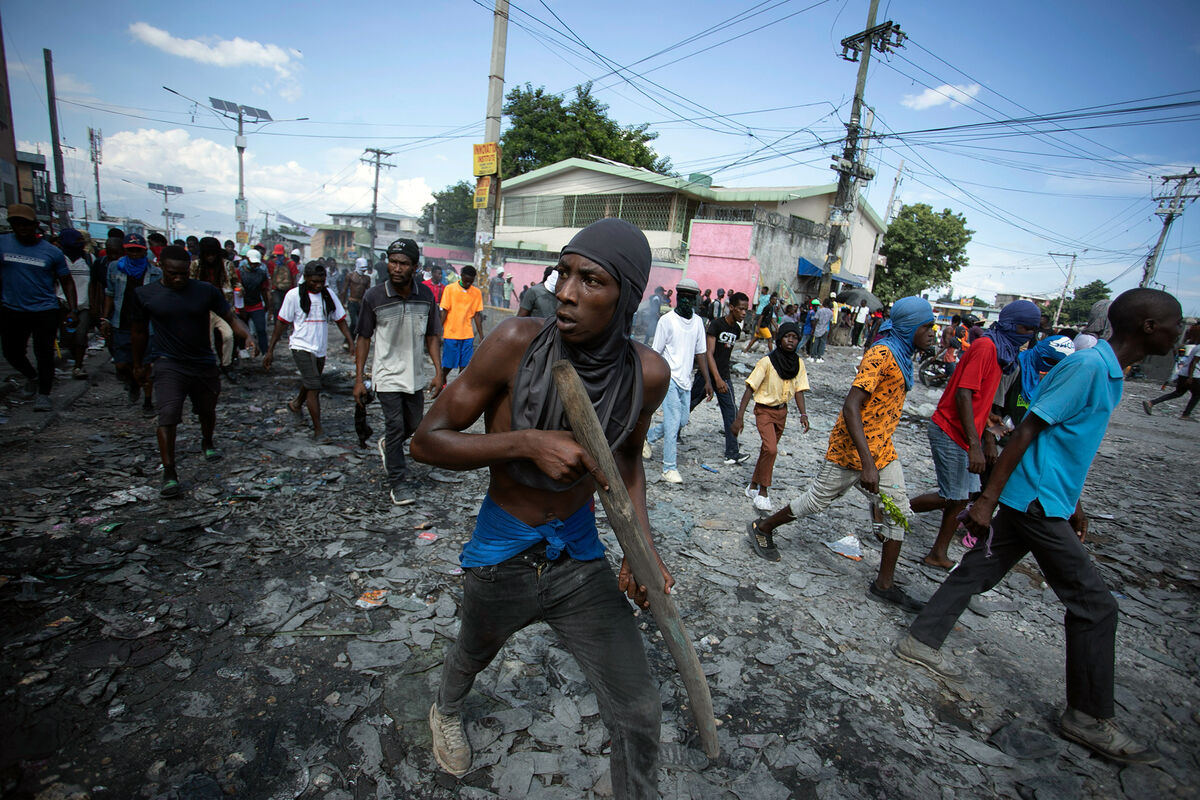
(914, 652)
(451, 749)
(736, 460)
(763, 544)
(78, 374)
(646, 450)
(170, 488)
(896, 596)
(820, 361)
(672, 476)
(212, 454)
(1104, 737)
(383, 451)
(1148, 407)
(751, 491)
(42, 402)
(399, 498)
(762, 503)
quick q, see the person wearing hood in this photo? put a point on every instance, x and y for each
(353, 288)
(1034, 492)
(960, 450)
(256, 297)
(861, 452)
(156, 243)
(125, 275)
(1097, 328)
(29, 269)
(535, 554)
(680, 339)
(74, 336)
(775, 379)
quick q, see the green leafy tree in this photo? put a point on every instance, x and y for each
(924, 249)
(544, 129)
(1076, 309)
(455, 215)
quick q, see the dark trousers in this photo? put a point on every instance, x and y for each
(1182, 387)
(857, 334)
(1091, 618)
(725, 401)
(15, 329)
(580, 601)
(402, 412)
(352, 309)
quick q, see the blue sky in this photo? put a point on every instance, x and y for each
(412, 77)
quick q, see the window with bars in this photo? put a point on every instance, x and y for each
(649, 211)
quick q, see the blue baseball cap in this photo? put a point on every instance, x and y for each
(135, 240)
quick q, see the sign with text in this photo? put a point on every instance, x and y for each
(487, 159)
(483, 192)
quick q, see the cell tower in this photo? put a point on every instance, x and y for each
(95, 139)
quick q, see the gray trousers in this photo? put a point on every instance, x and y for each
(402, 413)
(1091, 618)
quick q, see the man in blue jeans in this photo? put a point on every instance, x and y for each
(1037, 482)
(535, 553)
(680, 339)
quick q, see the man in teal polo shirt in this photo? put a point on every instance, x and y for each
(1037, 482)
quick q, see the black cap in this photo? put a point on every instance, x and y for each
(405, 247)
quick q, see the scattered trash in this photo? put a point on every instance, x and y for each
(710, 469)
(848, 546)
(372, 598)
(428, 536)
(110, 527)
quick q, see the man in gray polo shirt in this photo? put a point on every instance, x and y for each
(401, 317)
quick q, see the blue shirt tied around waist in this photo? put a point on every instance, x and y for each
(499, 536)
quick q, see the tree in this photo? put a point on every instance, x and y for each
(543, 129)
(924, 249)
(1076, 309)
(455, 215)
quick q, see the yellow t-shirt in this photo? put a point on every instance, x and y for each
(461, 305)
(879, 375)
(772, 390)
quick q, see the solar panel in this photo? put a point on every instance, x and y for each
(223, 105)
(263, 113)
(158, 187)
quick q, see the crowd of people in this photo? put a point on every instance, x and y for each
(1017, 426)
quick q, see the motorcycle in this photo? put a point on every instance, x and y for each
(932, 369)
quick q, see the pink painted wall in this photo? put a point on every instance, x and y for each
(448, 253)
(719, 256)
(522, 273)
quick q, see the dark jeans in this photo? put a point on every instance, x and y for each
(352, 309)
(402, 412)
(818, 345)
(1091, 618)
(15, 329)
(856, 336)
(1182, 387)
(581, 602)
(257, 322)
(728, 412)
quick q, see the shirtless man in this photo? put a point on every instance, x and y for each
(535, 554)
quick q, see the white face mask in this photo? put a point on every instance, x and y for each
(551, 282)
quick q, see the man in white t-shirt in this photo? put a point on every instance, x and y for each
(860, 321)
(79, 261)
(679, 338)
(309, 308)
(1187, 378)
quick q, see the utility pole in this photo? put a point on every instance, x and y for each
(1169, 212)
(485, 218)
(849, 167)
(1066, 286)
(378, 162)
(60, 186)
(94, 140)
(266, 221)
(887, 217)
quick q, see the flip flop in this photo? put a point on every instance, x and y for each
(212, 454)
(170, 488)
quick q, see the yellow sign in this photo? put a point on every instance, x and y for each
(487, 159)
(966, 301)
(483, 192)
(243, 237)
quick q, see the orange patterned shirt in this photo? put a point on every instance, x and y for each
(880, 377)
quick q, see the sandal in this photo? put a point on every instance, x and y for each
(170, 488)
(212, 454)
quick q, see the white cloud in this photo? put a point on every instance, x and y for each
(236, 52)
(957, 95)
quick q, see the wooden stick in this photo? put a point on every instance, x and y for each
(621, 516)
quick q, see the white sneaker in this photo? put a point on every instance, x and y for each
(672, 476)
(751, 491)
(646, 449)
(451, 748)
(383, 451)
(820, 361)
(762, 503)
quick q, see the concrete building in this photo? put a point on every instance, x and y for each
(341, 242)
(388, 227)
(33, 184)
(721, 237)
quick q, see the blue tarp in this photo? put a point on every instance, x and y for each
(847, 278)
(806, 269)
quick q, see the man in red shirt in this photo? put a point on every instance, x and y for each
(960, 453)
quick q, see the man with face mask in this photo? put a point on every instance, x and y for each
(680, 339)
(29, 268)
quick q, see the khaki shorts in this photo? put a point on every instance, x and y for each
(833, 480)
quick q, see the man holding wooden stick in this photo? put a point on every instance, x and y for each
(535, 553)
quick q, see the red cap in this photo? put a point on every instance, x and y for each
(279, 250)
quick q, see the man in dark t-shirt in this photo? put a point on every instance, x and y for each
(185, 365)
(720, 337)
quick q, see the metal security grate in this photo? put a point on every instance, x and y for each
(649, 211)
